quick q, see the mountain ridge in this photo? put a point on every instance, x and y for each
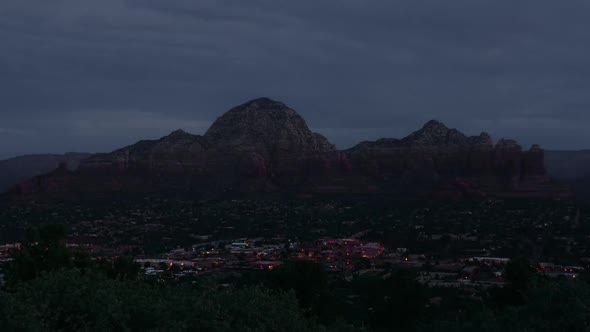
(263, 145)
(16, 169)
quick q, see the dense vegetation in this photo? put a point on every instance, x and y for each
(51, 288)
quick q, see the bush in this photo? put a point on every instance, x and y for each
(74, 301)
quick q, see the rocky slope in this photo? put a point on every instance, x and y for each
(437, 158)
(268, 128)
(263, 145)
(18, 169)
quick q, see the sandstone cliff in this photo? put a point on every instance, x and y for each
(263, 145)
(18, 169)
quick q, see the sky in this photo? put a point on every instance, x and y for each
(93, 76)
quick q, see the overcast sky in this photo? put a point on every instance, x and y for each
(88, 75)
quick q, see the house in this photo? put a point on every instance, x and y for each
(267, 265)
(6, 248)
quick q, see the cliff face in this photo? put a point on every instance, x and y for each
(263, 145)
(254, 146)
(437, 159)
(434, 148)
(268, 128)
(172, 154)
(15, 170)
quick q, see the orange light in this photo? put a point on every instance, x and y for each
(270, 267)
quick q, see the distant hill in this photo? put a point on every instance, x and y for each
(15, 170)
(571, 168)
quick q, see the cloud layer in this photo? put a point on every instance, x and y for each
(96, 75)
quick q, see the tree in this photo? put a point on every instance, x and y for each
(519, 273)
(306, 278)
(73, 301)
(44, 250)
(122, 268)
(363, 263)
(398, 300)
(560, 305)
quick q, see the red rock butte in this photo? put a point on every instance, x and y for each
(265, 146)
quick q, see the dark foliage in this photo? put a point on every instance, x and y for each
(73, 301)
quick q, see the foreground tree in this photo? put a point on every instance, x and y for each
(307, 278)
(519, 273)
(72, 301)
(520, 277)
(554, 305)
(44, 250)
(397, 300)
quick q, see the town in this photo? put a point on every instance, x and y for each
(464, 246)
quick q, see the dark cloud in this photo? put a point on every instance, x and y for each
(96, 75)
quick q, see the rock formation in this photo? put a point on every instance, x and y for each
(15, 170)
(268, 128)
(436, 156)
(263, 145)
